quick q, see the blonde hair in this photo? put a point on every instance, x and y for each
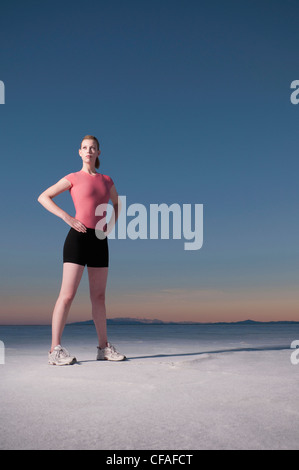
(92, 137)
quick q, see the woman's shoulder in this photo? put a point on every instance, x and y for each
(108, 179)
(74, 174)
(72, 177)
(77, 176)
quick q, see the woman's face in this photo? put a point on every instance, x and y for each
(89, 151)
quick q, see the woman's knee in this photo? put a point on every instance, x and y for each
(97, 297)
(67, 297)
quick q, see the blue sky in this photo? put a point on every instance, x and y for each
(191, 104)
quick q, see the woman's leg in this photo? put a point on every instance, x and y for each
(97, 287)
(71, 278)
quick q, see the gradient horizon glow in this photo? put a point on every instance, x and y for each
(191, 104)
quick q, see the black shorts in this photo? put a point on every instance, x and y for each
(86, 249)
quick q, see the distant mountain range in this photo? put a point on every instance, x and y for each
(146, 321)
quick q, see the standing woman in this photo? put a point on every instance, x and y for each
(83, 247)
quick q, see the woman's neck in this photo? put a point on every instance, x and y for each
(89, 169)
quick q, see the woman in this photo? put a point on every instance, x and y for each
(84, 245)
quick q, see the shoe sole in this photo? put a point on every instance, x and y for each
(112, 360)
(73, 361)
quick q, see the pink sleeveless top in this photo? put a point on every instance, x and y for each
(88, 191)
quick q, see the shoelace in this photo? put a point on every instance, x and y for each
(64, 352)
(61, 352)
(114, 352)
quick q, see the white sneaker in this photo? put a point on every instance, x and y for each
(109, 354)
(60, 357)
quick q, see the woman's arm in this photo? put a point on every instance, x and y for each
(116, 202)
(46, 200)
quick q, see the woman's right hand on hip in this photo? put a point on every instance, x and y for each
(75, 223)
